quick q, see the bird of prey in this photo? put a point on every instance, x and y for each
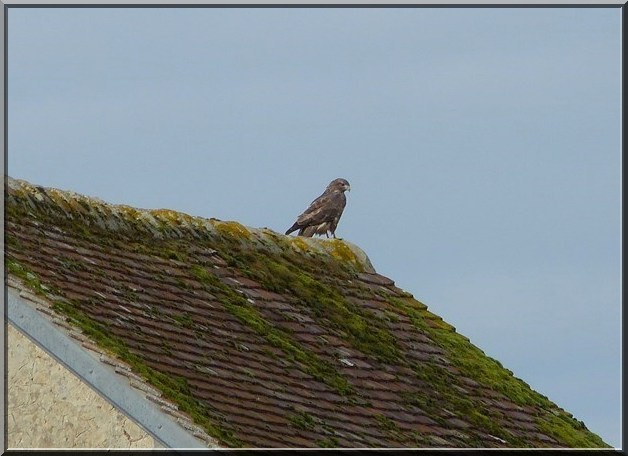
(323, 214)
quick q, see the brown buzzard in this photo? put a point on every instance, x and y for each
(324, 212)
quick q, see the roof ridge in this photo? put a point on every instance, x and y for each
(167, 223)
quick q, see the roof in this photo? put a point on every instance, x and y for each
(111, 378)
(268, 340)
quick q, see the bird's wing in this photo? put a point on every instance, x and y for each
(311, 230)
(323, 209)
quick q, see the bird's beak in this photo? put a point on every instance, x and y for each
(348, 188)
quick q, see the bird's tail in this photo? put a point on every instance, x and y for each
(293, 228)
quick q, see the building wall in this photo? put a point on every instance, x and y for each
(49, 407)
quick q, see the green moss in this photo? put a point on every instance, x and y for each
(327, 442)
(184, 320)
(315, 366)
(441, 395)
(420, 440)
(12, 241)
(29, 278)
(561, 427)
(303, 420)
(465, 356)
(386, 423)
(284, 274)
(250, 316)
(175, 255)
(133, 296)
(473, 363)
(205, 277)
(173, 387)
(15, 268)
(268, 352)
(72, 265)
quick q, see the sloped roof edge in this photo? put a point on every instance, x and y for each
(98, 375)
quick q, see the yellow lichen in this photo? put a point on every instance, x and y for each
(342, 251)
(233, 229)
(75, 204)
(56, 195)
(62, 202)
(129, 211)
(171, 216)
(300, 243)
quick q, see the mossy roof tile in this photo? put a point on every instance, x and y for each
(268, 340)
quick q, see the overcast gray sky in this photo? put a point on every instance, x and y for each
(482, 147)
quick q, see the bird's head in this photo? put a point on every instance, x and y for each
(339, 185)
